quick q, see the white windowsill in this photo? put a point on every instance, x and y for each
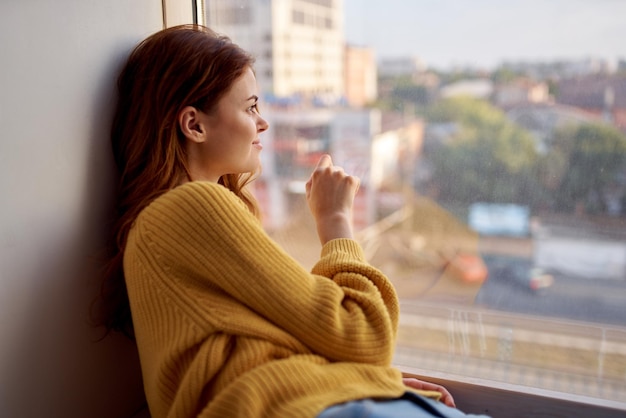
(502, 400)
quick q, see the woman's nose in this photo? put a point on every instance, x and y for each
(262, 124)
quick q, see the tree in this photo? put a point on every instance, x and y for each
(402, 93)
(504, 75)
(582, 162)
(411, 93)
(488, 159)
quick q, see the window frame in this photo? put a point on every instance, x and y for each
(499, 399)
(178, 12)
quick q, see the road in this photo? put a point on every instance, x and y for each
(582, 299)
(599, 301)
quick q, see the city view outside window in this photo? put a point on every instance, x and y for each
(490, 140)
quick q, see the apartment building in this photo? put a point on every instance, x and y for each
(401, 66)
(298, 44)
(360, 76)
(520, 91)
(602, 95)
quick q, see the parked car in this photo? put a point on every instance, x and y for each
(519, 272)
(468, 268)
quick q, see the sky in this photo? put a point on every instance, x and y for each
(484, 33)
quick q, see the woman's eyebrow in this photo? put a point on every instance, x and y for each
(253, 97)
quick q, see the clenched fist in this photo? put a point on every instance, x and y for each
(330, 193)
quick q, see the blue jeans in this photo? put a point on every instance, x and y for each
(410, 405)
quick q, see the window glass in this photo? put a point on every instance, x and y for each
(490, 140)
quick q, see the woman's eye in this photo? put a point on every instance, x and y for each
(254, 108)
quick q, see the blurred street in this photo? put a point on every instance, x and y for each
(587, 299)
(600, 301)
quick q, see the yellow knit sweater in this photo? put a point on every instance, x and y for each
(229, 325)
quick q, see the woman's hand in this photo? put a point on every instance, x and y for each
(330, 193)
(446, 397)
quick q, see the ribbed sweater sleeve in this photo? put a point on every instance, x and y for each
(344, 310)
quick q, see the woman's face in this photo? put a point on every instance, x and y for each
(231, 142)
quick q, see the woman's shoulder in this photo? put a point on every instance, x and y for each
(193, 215)
(196, 199)
(203, 192)
(194, 188)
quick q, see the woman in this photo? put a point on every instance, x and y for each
(226, 323)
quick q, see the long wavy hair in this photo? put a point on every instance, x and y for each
(188, 65)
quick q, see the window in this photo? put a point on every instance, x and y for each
(316, 16)
(229, 13)
(298, 17)
(490, 139)
(325, 3)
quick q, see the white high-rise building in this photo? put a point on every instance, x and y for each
(298, 44)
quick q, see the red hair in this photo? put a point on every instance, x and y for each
(188, 65)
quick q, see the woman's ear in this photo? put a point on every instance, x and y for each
(191, 125)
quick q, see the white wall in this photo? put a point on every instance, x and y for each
(58, 63)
